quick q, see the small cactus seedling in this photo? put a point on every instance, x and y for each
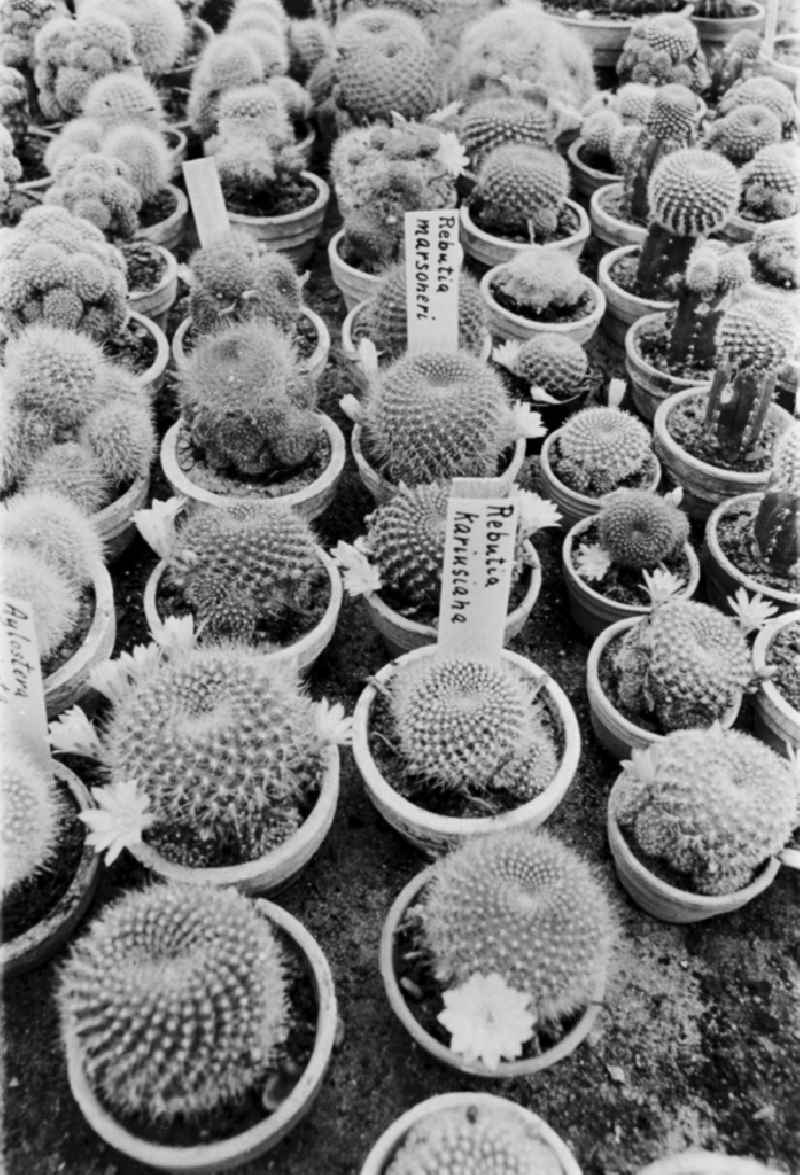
(496, 122)
(743, 132)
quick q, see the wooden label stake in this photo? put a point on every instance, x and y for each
(433, 265)
(23, 715)
(205, 196)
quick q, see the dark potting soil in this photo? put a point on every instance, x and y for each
(609, 684)
(784, 654)
(624, 585)
(428, 612)
(194, 465)
(567, 225)
(145, 266)
(134, 346)
(686, 426)
(33, 900)
(664, 871)
(639, 480)
(31, 158)
(654, 349)
(305, 338)
(423, 994)
(274, 201)
(611, 203)
(392, 764)
(575, 313)
(599, 160)
(159, 208)
(175, 101)
(259, 1102)
(353, 256)
(75, 638)
(624, 272)
(737, 539)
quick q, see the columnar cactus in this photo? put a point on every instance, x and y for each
(777, 524)
(743, 132)
(386, 314)
(227, 62)
(20, 21)
(771, 183)
(669, 127)
(520, 191)
(71, 54)
(33, 815)
(234, 279)
(177, 999)
(599, 448)
(524, 906)
(97, 188)
(713, 272)
(713, 805)
(538, 279)
(661, 49)
(494, 122)
(641, 530)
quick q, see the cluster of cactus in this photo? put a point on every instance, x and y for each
(775, 256)
(227, 62)
(13, 104)
(433, 416)
(33, 815)
(713, 805)
(310, 41)
(661, 49)
(777, 523)
(636, 150)
(526, 907)
(743, 132)
(713, 272)
(521, 190)
(20, 21)
(59, 270)
(246, 403)
(380, 173)
(387, 323)
(122, 99)
(254, 148)
(72, 53)
(75, 423)
(771, 183)
(554, 364)
(265, 27)
(157, 30)
(728, 66)
(538, 279)
(506, 118)
(96, 188)
(177, 1001)
(640, 530)
(10, 170)
(684, 664)
(245, 569)
(763, 91)
(692, 193)
(234, 278)
(598, 449)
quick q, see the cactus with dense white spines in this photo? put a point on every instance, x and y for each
(641, 530)
(33, 814)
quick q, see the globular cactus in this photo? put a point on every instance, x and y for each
(120, 436)
(526, 907)
(33, 815)
(309, 42)
(71, 54)
(472, 1140)
(669, 127)
(145, 156)
(728, 65)
(538, 279)
(20, 21)
(97, 188)
(177, 1000)
(384, 64)
(156, 27)
(633, 102)
(520, 191)
(10, 170)
(267, 35)
(432, 416)
(641, 530)
(763, 91)
(296, 100)
(386, 314)
(771, 183)
(244, 402)
(684, 664)
(59, 270)
(777, 523)
(598, 131)
(743, 132)
(227, 62)
(598, 449)
(257, 108)
(69, 469)
(713, 805)
(80, 136)
(494, 122)
(14, 115)
(556, 364)
(661, 49)
(775, 256)
(713, 272)
(226, 747)
(234, 279)
(262, 559)
(122, 99)
(54, 601)
(55, 530)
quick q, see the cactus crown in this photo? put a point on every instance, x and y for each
(233, 279)
(776, 255)
(555, 363)
(538, 277)
(598, 449)
(743, 132)
(386, 314)
(123, 99)
(693, 193)
(771, 182)
(661, 49)
(521, 189)
(384, 64)
(755, 334)
(641, 529)
(24, 575)
(763, 91)
(525, 906)
(713, 805)
(32, 818)
(494, 122)
(177, 998)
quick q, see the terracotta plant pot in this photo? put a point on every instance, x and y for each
(155, 303)
(505, 325)
(70, 681)
(704, 486)
(377, 1161)
(776, 721)
(616, 733)
(305, 651)
(314, 365)
(585, 179)
(293, 233)
(491, 250)
(666, 902)
(441, 1052)
(649, 386)
(592, 611)
(309, 502)
(604, 38)
(607, 226)
(722, 578)
(623, 308)
(43, 940)
(168, 232)
(741, 230)
(153, 376)
(115, 523)
(250, 1144)
(705, 1163)
(382, 490)
(401, 635)
(717, 32)
(434, 834)
(353, 285)
(573, 505)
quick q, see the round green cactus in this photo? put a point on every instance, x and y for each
(234, 279)
(755, 334)
(384, 65)
(33, 815)
(598, 131)
(227, 61)
(664, 48)
(524, 906)
(97, 188)
(743, 132)
(520, 190)
(771, 183)
(693, 193)
(386, 314)
(24, 575)
(406, 540)
(55, 530)
(494, 122)
(763, 91)
(641, 530)
(672, 113)
(120, 436)
(634, 101)
(177, 999)
(54, 375)
(714, 805)
(20, 21)
(599, 448)
(123, 99)
(537, 278)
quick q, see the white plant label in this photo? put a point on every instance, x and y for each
(480, 542)
(23, 716)
(433, 265)
(205, 196)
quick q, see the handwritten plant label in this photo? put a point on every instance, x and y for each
(480, 542)
(433, 265)
(206, 199)
(23, 716)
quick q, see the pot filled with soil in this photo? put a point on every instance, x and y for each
(609, 223)
(490, 249)
(354, 284)
(293, 231)
(777, 709)
(617, 278)
(750, 543)
(536, 293)
(647, 365)
(163, 218)
(310, 334)
(716, 31)
(589, 171)
(550, 372)
(152, 280)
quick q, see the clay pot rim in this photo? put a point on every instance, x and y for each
(751, 585)
(761, 646)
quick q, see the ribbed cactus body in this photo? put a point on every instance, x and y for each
(494, 122)
(599, 448)
(555, 363)
(233, 279)
(385, 64)
(662, 49)
(521, 190)
(387, 322)
(763, 91)
(771, 183)
(537, 279)
(641, 530)
(32, 817)
(406, 539)
(743, 132)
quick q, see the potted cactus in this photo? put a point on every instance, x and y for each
(760, 90)
(770, 192)
(157, 30)
(664, 48)
(740, 134)
(451, 749)
(72, 52)
(683, 665)
(510, 117)
(248, 428)
(614, 562)
(252, 573)
(550, 371)
(469, 933)
(542, 291)
(697, 821)
(464, 1127)
(49, 871)
(776, 655)
(195, 1071)
(718, 21)
(597, 451)
(606, 27)
(718, 442)
(590, 162)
